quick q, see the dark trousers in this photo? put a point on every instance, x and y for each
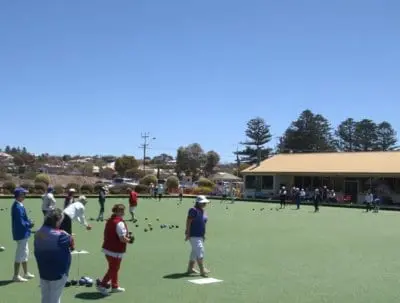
(44, 212)
(283, 201)
(101, 212)
(369, 206)
(298, 202)
(66, 224)
(316, 205)
(101, 203)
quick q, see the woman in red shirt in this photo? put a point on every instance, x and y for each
(116, 236)
(133, 200)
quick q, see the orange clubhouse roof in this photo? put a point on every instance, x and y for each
(341, 163)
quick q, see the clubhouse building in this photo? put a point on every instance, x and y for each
(349, 174)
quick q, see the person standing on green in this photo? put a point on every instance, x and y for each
(102, 201)
(317, 199)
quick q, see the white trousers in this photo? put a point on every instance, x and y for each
(197, 244)
(22, 251)
(132, 209)
(52, 290)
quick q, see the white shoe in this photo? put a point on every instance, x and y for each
(119, 289)
(28, 276)
(103, 290)
(19, 279)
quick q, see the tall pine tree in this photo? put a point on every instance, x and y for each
(258, 135)
(309, 133)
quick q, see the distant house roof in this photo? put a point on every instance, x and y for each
(6, 156)
(225, 177)
(342, 163)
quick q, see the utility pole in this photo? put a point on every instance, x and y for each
(237, 162)
(144, 146)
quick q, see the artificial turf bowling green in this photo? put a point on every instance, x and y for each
(337, 255)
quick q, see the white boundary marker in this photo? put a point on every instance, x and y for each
(204, 281)
(79, 252)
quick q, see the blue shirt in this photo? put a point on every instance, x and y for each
(199, 220)
(20, 224)
(52, 253)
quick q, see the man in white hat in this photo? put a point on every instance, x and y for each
(75, 211)
(195, 234)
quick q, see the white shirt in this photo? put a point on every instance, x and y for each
(121, 232)
(49, 202)
(369, 198)
(76, 211)
(302, 193)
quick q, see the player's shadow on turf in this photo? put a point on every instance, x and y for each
(89, 296)
(176, 276)
(5, 282)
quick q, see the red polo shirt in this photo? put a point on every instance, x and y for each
(133, 198)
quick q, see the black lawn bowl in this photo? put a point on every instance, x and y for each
(67, 284)
(74, 282)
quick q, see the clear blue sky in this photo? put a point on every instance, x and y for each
(88, 76)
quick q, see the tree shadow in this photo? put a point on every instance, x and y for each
(90, 296)
(177, 276)
(5, 282)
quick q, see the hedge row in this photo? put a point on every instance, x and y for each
(86, 189)
(41, 183)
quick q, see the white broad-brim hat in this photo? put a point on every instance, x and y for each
(72, 190)
(82, 199)
(202, 200)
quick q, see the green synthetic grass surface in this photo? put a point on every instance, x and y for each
(337, 255)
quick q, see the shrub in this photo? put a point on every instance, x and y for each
(142, 189)
(204, 182)
(76, 186)
(146, 180)
(202, 190)
(59, 189)
(28, 186)
(40, 188)
(134, 173)
(42, 178)
(87, 189)
(8, 187)
(4, 176)
(29, 175)
(120, 189)
(172, 183)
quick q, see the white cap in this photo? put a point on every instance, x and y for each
(71, 190)
(82, 199)
(202, 200)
